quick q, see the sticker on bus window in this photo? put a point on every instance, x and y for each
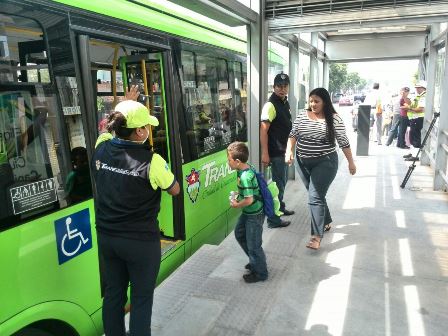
(33, 195)
(73, 235)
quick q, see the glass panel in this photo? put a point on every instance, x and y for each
(304, 79)
(320, 66)
(440, 67)
(202, 99)
(321, 45)
(114, 68)
(38, 171)
(225, 122)
(31, 180)
(278, 61)
(305, 37)
(23, 57)
(240, 101)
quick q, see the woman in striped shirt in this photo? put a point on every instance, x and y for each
(316, 131)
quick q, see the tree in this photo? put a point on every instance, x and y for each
(342, 81)
(338, 74)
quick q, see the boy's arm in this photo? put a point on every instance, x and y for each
(246, 201)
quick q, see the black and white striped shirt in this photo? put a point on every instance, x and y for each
(311, 136)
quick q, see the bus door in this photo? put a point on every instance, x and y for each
(113, 68)
(146, 72)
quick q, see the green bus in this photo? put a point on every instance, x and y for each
(64, 65)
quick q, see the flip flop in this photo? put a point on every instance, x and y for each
(313, 244)
(327, 227)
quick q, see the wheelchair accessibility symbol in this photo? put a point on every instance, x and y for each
(73, 235)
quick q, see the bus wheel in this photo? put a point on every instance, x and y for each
(32, 332)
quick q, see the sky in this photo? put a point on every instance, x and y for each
(391, 75)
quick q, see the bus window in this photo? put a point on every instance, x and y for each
(34, 161)
(210, 111)
(115, 68)
(225, 125)
(105, 98)
(240, 96)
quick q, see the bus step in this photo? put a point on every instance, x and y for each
(168, 244)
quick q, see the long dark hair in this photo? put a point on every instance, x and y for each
(328, 111)
(116, 123)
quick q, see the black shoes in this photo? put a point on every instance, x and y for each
(404, 147)
(407, 156)
(412, 158)
(278, 225)
(252, 277)
(288, 212)
(248, 267)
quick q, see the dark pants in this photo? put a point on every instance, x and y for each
(280, 176)
(128, 260)
(393, 132)
(317, 175)
(248, 233)
(416, 132)
(403, 126)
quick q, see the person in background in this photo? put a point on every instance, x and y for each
(393, 132)
(416, 114)
(249, 228)
(77, 184)
(316, 131)
(387, 119)
(274, 129)
(374, 100)
(405, 102)
(129, 179)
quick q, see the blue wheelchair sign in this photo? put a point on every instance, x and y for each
(73, 235)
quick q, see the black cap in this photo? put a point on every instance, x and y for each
(281, 79)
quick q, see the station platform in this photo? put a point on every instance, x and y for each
(381, 270)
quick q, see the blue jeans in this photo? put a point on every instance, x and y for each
(393, 132)
(280, 176)
(248, 233)
(317, 175)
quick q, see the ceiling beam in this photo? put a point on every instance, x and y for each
(229, 12)
(359, 19)
(375, 35)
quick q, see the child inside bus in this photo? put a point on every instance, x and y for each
(77, 184)
(249, 228)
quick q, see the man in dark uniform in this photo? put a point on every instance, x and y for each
(274, 130)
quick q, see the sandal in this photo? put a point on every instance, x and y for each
(314, 243)
(327, 227)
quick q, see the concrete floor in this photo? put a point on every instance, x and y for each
(381, 270)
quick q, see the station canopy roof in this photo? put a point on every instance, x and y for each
(359, 30)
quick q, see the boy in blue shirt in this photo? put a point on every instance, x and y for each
(249, 229)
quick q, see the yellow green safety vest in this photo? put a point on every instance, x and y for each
(414, 115)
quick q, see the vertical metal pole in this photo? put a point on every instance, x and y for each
(442, 138)
(314, 68)
(148, 96)
(430, 75)
(294, 88)
(257, 78)
(88, 118)
(293, 95)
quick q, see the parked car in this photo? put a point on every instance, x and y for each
(346, 101)
(336, 97)
(359, 97)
